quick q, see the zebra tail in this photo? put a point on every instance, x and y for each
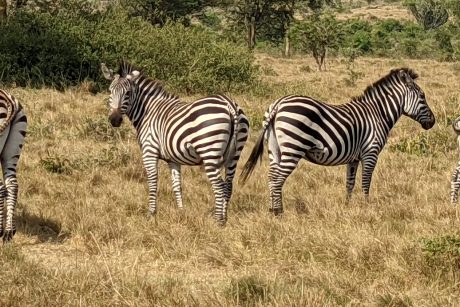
(255, 156)
(233, 142)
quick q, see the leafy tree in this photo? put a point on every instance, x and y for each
(158, 12)
(431, 14)
(316, 35)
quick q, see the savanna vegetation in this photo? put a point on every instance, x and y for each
(83, 238)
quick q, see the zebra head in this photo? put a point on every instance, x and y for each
(122, 93)
(414, 104)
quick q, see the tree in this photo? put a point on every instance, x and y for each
(289, 7)
(3, 10)
(250, 13)
(158, 12)
(316, 35)
(430, 14)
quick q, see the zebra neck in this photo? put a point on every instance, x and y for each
(386, 107)
(150, 97)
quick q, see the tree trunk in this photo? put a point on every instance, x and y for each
(287, 46)
(3, 10)
(252, 33)
(287, 42)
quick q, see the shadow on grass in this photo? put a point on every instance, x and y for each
(45, 229)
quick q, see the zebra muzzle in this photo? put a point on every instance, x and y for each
(429, 123)
(115, 118)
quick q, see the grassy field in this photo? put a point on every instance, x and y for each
(83, 238)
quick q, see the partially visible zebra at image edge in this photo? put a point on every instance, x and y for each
(210, 131)
(455, 181)
(13, 126)
(298, 127)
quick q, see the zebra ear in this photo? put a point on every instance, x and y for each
(108, 73)
(405, 77)
(134, 75)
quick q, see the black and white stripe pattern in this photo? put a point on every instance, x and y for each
(211, 132)
(299, 127)
(455, 181)
(13, 126)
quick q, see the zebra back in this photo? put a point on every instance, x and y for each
(11, 105)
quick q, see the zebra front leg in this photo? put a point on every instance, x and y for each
(368, 168)
(150, 164)
(218, 186)
(351, 178)
(11, 199)
(455, 185)
(176, 183)
(3, 194)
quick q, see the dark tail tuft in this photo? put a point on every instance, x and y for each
(256, 154)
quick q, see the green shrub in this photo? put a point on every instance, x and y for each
(427, 144)
(442, 254)
(248, 291)
(65, 48)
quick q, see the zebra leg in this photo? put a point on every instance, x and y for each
(230, 171)
(150, 164)
(176, 183)
(3, 194)
(219, 187)
(351, 178)
(455, 185)
(230, 168)
(368, 168)
(277, 175)
(11, 199)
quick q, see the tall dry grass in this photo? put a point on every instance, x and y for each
(83, 238)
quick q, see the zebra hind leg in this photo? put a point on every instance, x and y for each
(230, 168)
(11, 199)
(277, 175)
(219, 187)
(3, 194)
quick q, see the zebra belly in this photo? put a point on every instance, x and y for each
(320, 158)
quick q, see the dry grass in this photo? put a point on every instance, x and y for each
(377, 11)
(83, 238)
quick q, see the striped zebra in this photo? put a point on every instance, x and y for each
(210, 131)
(299, 127)
(13, 126)
(455, 181)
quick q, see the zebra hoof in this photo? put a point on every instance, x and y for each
(8, 236)
(276, 211)
(221, 222)
(150, 215)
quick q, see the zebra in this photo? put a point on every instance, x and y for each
(299, 127)
(13, 127)
(211, 132)
(455, 181)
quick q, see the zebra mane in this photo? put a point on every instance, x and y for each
(386, 79)
(125, 68)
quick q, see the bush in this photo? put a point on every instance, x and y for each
(65, 48)
(427, 144)
(394, 38)
(442, 254)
